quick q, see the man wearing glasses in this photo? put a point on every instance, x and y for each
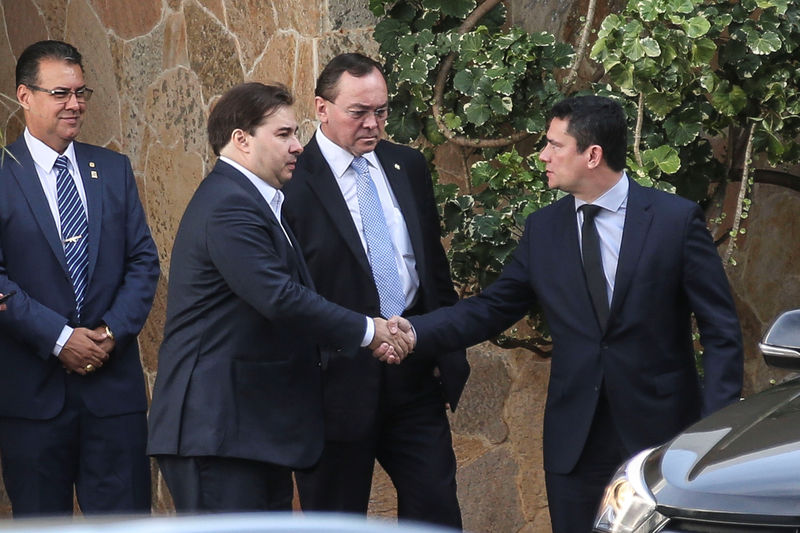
(364, 213)
(77, 253)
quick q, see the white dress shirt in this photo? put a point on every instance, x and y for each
(44, 159)
(609, 222)
(339, 161)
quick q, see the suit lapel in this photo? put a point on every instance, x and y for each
(401, 187)
(323, 183)
(291, 256)
(302, 268)
(24, 171)
(92, 175)
(638, 218)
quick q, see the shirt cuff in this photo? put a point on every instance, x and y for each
(62, 340)
(369, 333)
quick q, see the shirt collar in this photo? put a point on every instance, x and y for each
(44, 156)
(337, 157)
(265, 189)
(614, 198)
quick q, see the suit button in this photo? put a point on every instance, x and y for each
(604, 346)
(319, 363)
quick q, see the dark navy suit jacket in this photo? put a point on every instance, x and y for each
(668, 269)
(341, 272)
(122, 276)
(239, 369)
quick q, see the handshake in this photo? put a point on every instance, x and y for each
(394, 339)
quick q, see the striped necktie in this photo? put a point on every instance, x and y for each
(380, 249)
(74, 229)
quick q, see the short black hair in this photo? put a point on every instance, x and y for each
(596, 120)
(355, 64)
(245, 107)
(27, 72)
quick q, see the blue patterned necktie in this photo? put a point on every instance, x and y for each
(379, 245)
(74, 229)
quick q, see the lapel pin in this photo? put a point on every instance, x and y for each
(94, 174)
(91, 164)
(397, 166)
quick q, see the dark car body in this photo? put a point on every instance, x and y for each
(737, 470)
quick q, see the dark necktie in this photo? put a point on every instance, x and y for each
(74, 229)
(593, 263)
(380, 249)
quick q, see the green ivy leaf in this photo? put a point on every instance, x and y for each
(388, 31)
(680, 131)
(477, 112)
(765, 43)
(651, 47)
(729, 100)
(503, 86)
(452, 121)
(665, 157)
(703, 50)
(482, 172)
(697, 27)
(464, 80)
(404, 127)
(501, 106)
(661, 103)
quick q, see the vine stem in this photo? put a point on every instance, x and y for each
(637, 134)
(743, 187)
(587, 29)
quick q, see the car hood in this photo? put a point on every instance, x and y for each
(744, 459)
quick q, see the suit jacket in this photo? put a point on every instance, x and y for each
(319, 217)
(122, 276)
(239, 369)
(668, 268)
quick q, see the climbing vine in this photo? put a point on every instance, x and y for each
(708, 85)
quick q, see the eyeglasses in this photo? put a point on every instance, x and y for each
(360, 114)
(84, 94)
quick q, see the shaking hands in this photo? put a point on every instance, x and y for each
(393, 341)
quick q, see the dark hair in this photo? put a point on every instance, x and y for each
(596, 120)
(356, 65)
(28, 63)
(245, 107)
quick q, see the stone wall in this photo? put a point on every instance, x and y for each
(157, 65)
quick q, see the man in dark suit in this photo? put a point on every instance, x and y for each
(75, 246)
(396, 414)
(618, 284)
(237, 400)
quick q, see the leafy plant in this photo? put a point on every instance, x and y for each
(687, 72)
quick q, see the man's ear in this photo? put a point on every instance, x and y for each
(240, 140)
(595, 153)
(321, 107)
(23, 94)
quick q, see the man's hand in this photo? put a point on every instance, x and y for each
(83, 349)
(390, 347)
(108, 343)
(398, 323)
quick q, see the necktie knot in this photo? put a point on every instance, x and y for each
(61, 163)
(590, 211)
(360, 165)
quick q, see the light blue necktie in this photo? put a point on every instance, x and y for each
(74, 229)
(379, 245)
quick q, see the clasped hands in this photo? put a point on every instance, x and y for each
(393, 341)
(86, 350)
